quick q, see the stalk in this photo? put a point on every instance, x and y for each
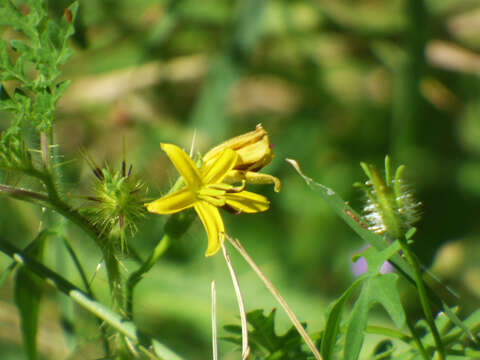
(422, 293)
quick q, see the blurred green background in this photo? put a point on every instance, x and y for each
(333, 82)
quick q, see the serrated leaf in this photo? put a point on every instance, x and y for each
(28, 289)
(263, 339)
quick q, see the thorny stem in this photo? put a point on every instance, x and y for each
(422, 293)
(241, 306)
(236, 244)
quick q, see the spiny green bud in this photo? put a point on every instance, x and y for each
(391, 208)
(118, 201)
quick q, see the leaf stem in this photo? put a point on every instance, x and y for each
(422, 293)
(135, 277)
(416, 339)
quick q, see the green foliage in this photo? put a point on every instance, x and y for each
(264, 341)
(45, 47)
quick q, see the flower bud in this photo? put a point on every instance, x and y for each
(254, 152)
(391, 208)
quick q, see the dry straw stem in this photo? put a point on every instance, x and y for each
(236, 244)
(214, 321)
(241, 306)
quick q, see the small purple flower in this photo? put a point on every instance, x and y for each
(359, 266)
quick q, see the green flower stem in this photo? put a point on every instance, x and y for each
(417, 341)
(422, 293)
(159, 250)
(102, 312)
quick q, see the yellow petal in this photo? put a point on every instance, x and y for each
(213, 223)
(172, 203)
(247, 202)
(218, 169)
(183, 164)
(236, 143)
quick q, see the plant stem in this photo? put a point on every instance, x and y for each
(116, 321)
(236, 244)
(159, 250)
(54, 202)
(83, 276)
(422, 293)
(416, 339)
(23, 194)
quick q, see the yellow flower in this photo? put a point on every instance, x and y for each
(205, 191)
(254, 152)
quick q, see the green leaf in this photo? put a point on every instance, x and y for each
(60, 89)
(28, 289)
(384, 291)
(329, 337)
(357, 324)
(381, 288)
(9, 15)
(4, 58)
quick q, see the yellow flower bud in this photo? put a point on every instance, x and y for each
(254, 152)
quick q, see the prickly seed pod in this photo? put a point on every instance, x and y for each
(391, 208)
